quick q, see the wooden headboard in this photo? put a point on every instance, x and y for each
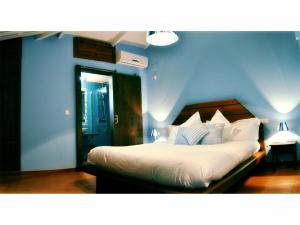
(230, 108)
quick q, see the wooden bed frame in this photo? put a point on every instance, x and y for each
(110, 182)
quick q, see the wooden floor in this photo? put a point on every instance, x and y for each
(50, 182)
(282, 180)
(263, 180)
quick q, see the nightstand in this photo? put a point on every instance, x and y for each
(282, 148)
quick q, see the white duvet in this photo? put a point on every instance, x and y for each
(189, 166)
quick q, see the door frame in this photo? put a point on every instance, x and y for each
(78, 103)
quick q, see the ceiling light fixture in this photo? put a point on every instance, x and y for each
(161, 38)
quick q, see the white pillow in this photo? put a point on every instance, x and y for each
(193, 119)
(245, 129)
(173, 129)
(172, 133)
(219, 118)
(241, 130)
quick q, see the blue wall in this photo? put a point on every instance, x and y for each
(47, 135)
(260, 69)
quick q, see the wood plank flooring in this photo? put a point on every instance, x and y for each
(263, 180)
(48, 182)
(282, 180)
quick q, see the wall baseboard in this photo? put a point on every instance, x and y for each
(36, 172)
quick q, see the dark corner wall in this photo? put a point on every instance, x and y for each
(260, 69)
(48, 89)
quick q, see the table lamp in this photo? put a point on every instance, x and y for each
(155, 134)
(282, 126)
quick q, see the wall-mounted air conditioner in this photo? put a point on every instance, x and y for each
(130, 59)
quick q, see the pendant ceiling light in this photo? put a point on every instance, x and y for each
(161, 38)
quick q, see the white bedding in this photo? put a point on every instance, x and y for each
(189, 166)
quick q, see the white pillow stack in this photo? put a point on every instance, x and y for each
(218, 118)
(218, 130)
(246, 129)
(241, 130)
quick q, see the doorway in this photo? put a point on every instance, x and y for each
(108, 110)
(94, 110)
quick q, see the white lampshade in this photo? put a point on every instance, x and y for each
(282, 126)
(161, 38)
(155, 134)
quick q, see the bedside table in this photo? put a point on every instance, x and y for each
(284, 147)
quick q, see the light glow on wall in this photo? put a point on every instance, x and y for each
(284, 104)
(160, 114)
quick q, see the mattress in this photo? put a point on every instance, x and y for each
(188, 166)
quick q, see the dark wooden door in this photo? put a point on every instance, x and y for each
(10, 86)
(128, 123)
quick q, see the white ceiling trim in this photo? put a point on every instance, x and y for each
(6, 35)
(60, 35)
(114, 41)
(137, 38)
(46, 35)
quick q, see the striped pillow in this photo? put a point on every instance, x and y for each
(194, 133)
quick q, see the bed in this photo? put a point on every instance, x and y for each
(167, 168)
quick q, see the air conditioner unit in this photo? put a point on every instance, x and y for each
(130, 59)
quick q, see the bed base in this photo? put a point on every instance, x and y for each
(109, 182)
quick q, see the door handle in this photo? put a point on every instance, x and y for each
(116, 119)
